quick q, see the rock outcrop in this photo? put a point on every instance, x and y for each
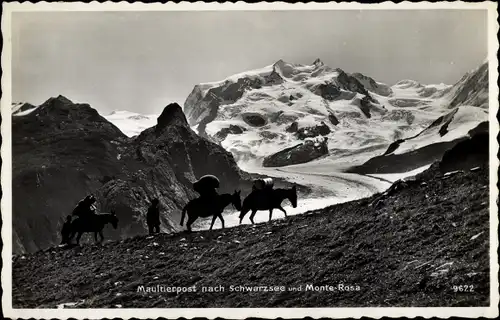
(472, 89)
(469, 153)
(309, 150)
(372, 85)
(224, 132)
(391, 162)
(310, 132)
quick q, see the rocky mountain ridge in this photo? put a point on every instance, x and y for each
(63, 151)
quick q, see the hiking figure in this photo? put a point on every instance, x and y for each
(66, 231)
(85, 208)
(153, 217)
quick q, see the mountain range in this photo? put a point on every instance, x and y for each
(268, 116)
(281, 115)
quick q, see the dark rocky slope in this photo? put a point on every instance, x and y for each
(390, 162)
(428, 235)
(63, 151)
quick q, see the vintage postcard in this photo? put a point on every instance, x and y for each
(249, 160)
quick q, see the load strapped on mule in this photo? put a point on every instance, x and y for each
(263, 184)
(206, 185)
(85, 207)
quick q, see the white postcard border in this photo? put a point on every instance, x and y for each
(241, 313)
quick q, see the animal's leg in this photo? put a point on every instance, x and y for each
(70, 237)
(221, 220)
(95, 237)
(243, 212)
(213, 221)
(189, 223)
(281, 208)
(270, 214)
(102, 236)
(252, 215)
(78, 238)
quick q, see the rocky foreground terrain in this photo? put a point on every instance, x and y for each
(408, 246)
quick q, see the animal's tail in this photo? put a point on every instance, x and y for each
(183, 214)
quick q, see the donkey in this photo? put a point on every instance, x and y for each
(93, 223)
(199, 208)
(267, 200)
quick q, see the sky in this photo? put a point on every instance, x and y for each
(142, 61)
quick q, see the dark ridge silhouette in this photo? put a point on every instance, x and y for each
(392, 163)
(469, 153)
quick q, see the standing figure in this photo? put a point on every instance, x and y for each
(153, 217)
(66, 231)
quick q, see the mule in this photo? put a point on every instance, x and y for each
(93, 223)
(198, 207)
(268, 200)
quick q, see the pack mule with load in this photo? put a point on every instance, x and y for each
(265, 197)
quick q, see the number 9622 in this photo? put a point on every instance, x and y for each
(463, 288)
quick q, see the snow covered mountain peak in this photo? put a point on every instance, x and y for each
(22, 108)
(318, 62)
(131, 123)
(407, 83)
(256, 113)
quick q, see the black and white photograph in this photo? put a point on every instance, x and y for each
(236, 160)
